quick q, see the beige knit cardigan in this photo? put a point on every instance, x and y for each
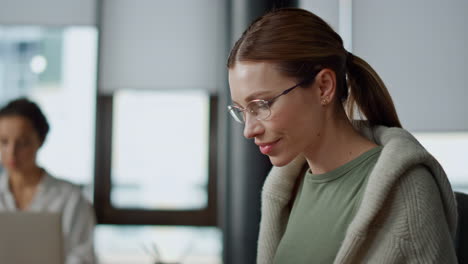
(407, 215)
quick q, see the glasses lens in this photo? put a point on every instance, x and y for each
(236, 113)
(260, 109)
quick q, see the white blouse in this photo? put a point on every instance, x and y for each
(78, 218)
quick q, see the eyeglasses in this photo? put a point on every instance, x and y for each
(258, 108)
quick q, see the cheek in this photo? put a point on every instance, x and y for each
(281, 122)
(30, 152)
(296, 116)
(27, 153)
(300, 125)
(285, 126)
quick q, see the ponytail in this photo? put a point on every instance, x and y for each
(368, 92)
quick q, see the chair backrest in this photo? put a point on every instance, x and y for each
(462, 238)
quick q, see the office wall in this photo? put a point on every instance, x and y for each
(328, 10)
(419, 50)
(150, 44)
(48, 12)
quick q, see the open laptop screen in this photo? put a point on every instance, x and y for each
(31, 237)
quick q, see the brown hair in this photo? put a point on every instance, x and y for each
(299, 43)
(29, 110)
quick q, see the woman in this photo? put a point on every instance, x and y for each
(24, 186)
(341, 190)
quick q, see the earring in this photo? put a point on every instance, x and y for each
(324, 101)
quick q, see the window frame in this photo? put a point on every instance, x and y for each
(108, 214)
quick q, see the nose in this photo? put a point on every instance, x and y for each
(252, 127)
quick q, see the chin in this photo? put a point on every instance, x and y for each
(280, 161)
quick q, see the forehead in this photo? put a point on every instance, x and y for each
(250, 79)
(252, 69)
(15, 125)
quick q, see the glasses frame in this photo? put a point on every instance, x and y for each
(267, 103)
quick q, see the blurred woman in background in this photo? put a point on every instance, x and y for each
(25, 186)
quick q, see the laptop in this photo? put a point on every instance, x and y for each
(31, 237)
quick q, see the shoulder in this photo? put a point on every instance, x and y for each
(62, 185)
(411, 223)
(63, 189)
(415, 203)
(418, 189)
(404, 165)
(417, 185)
(422, 195)
(428, 196)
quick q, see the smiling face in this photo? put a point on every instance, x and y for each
(19, 143)
(296, 119)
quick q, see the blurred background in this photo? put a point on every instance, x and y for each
(136, 92)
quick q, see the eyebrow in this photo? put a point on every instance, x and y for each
(256, 95)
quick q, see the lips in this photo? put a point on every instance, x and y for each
(266, 148)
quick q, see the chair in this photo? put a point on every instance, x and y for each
(462, 234)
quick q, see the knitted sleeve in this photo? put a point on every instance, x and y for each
(429, 237)
(411, 227)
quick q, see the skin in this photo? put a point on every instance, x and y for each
(19, 143)
(307, 121)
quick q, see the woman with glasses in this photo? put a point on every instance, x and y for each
(25, 186)
(341, 190)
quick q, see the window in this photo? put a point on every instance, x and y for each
(160, 150)
(451, 150)
(56, 68)
(155, 160)
(131, 244)
(144, 175)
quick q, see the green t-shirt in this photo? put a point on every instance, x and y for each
(324, 206)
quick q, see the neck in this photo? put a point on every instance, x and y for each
(25, 178)
(340, 143)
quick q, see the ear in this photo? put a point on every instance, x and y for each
(326, 82)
